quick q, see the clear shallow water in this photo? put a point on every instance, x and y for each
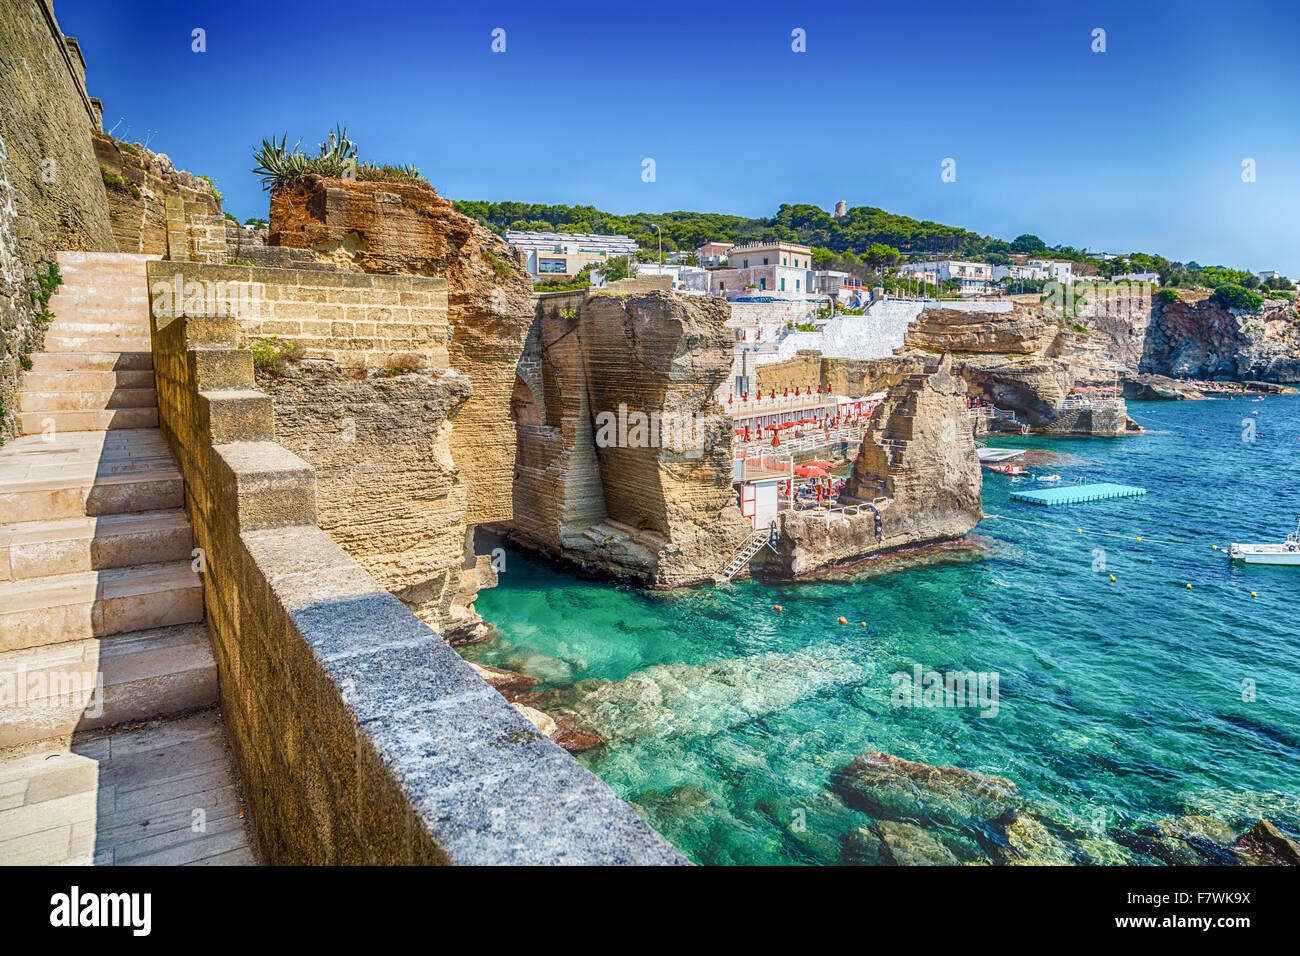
(1119, 703)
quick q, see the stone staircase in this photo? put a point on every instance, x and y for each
(101, 613)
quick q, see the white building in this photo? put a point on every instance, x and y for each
(765, 267)
(1269, 274)
(972, 277)
(1153, 277)
(563, 254)
(1062, 272)
(685, 278)
(1036, 269)
(846, 289)
(713, 253)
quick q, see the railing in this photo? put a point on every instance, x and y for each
(745, 551)
(1091, 401)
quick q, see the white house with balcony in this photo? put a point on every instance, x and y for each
(971, 277)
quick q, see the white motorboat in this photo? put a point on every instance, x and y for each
(1288, 552)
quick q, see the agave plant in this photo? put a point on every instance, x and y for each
(277, 166)
(280, 166)
(337, 153)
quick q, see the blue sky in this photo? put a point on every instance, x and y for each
(1137, 148)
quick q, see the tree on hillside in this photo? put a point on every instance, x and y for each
(1028, 244)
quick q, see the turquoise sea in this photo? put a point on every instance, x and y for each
(1119, 703)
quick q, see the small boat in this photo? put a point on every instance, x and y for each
(1006, 469)
(1288, 552)
(1048, 478)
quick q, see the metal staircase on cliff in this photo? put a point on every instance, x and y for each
(746, 550)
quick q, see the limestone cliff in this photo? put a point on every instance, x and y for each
(624, 458)
(1023, 331)
(405, 228)
(388, 490)
(138, 185)
(1203, 340)
(918, 455)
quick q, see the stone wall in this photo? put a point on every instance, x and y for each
(361, 737)
(371, 404)
(625, 502)
(406, 229)
(51, 192)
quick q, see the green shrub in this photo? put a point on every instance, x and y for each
(114, 181)
(1235, 297)
(268, 351)
(1168, 295)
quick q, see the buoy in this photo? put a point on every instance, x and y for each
(863, 623)
(844, 620)
(1139, 537)
(777, 607)
(1112, 577)
(1189, 587)
(1252, 594)
(1080, 530)
(1215, 547)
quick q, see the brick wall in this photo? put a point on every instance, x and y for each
(352, 318)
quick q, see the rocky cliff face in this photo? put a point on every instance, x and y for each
(401, 228)
(388, 489)
(137, 205)
(624, 458)
(919, 455)
(1022, 331)
(1203, 340)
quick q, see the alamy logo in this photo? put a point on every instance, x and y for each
(953, 689)
(205, 297)
(682, 432)
(74, 909)
(53, 689)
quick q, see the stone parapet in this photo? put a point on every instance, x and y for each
(361, 737)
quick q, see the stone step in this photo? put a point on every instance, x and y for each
(75, 607)
(35, 423)
(65, 400)
(67, 258)
(87, 473)
(59, 689)
(111, 361)
(96, 321)
(93, 341)
(86, 381)
(34, 549)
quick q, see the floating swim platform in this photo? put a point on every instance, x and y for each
(987, 455)
(1077, 494)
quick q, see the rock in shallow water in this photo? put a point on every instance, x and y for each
(1265, 844)
(890, 787)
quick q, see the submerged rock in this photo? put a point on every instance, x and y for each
(510, 684)
(1030, 843)
(673, 700)
(891, 788)
(1265, 844)
(1184, 841)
